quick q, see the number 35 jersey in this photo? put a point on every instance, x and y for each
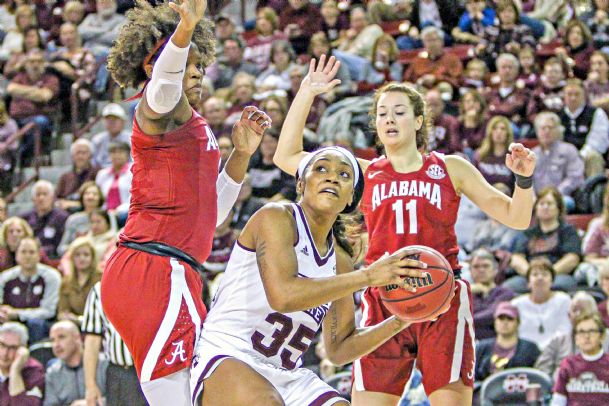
(241, 318)
(404, 209)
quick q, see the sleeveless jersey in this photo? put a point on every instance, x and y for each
(416, 208)
(241, 317)
(173, 194)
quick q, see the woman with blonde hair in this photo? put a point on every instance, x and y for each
(12, 231)
(80, 278)
(13, 41)
(490, 157)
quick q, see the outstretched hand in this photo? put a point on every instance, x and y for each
(520, 160)
(190, 11)
(320, 78)
(248, 131)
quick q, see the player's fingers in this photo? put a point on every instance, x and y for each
(411, 272)
(322, 62)
(335, 68)
(312, 66)
(405, 284)
(329, 65)
(406, 251)
(411, 263)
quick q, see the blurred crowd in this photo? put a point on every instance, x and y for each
(492, 72)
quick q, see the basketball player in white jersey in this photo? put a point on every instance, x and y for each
(291, 265)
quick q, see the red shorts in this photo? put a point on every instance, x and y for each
(443, 349)
(156, 306)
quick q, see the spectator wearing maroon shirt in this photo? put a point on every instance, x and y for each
(299, 20)
(490, 157)
(33, 92)
(472, 120)
(444, 131)
(30, 291)
(46, 220)
(258, 48)
(486, 294)
(508, 99)
(23, 377)
(577, 49)
(548, 95)
(583, 379)
(82, 171)
(434, 65)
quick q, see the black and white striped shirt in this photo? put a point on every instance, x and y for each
(95, 322)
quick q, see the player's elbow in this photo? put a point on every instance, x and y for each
(279, 302)
(277, 160)
(338, 358)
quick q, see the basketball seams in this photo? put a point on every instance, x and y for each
(428, 254)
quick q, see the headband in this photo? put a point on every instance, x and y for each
(352, 160)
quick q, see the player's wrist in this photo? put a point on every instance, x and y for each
(524, 182)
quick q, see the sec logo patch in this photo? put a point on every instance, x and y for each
(436, 172)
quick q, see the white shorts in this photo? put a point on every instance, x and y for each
(297, 387)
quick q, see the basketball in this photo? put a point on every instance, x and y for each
(433, 293)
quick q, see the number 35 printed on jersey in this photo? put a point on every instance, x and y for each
(296, 345)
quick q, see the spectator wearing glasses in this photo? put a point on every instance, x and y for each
(23, 377)
(583, 379)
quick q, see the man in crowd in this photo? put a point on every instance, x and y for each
(29, 292)
(98, 30)
(22, 376)
(232, 63)
(114, 122)
(65, 379)
(486, 294)
(33, 93)
(586, 127)
(83, 170)
(46, 220)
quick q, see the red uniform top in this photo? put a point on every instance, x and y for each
(173, 194)
(416, 208)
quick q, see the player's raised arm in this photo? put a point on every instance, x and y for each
(286, 291)
(165, 94)
(246, 136)
(514, 212)
(319, 79)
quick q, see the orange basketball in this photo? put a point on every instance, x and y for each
(433, 293)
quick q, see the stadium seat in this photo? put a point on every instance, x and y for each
(580, 221)
(341, 382)
(42, 351)
(508, 387)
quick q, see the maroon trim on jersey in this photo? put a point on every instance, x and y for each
(324, 397)
(199, 387)
(320, 261)
(243, 247)
(294, 215)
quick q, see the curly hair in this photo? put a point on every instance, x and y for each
(146, 26)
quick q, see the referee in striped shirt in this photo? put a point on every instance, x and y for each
(122, 384)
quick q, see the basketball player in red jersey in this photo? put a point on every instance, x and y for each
(151, 290)
(411, 197)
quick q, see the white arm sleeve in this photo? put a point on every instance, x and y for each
(227, 190)
(165, 88)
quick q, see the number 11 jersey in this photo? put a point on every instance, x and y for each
(415, 208)
(241, 317)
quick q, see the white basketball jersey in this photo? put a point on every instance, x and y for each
(241, 317)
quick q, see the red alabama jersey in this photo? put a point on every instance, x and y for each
(416, 208)
(173, 194)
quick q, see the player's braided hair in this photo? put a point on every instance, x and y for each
(146, 26)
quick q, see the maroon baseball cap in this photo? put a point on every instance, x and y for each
(507, 309)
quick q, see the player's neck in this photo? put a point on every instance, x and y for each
(320, 226)
(405, 159)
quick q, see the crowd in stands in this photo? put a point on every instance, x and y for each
(492, 72)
